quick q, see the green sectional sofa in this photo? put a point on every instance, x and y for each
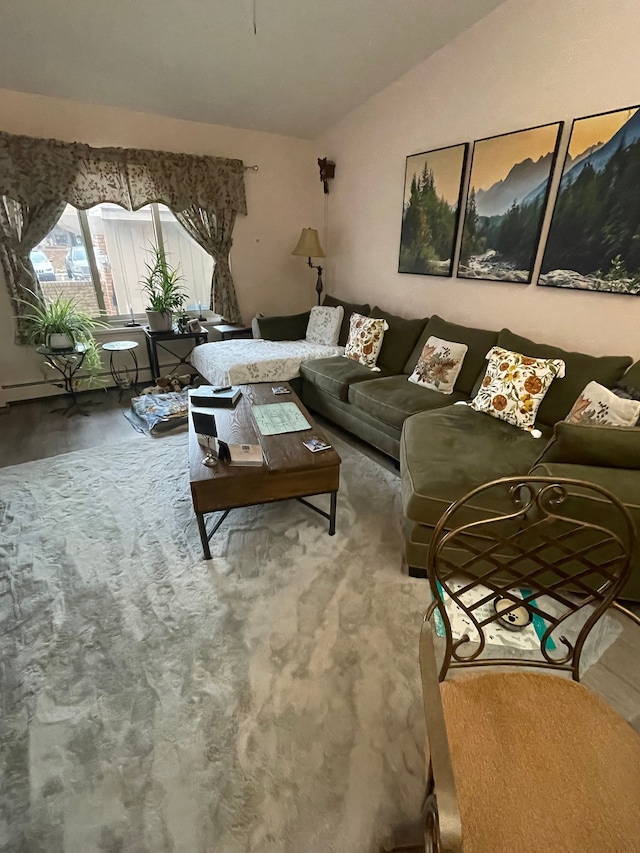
(445, 450)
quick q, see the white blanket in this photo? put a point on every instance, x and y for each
(256, 360)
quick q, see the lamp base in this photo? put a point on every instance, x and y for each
(319, 285)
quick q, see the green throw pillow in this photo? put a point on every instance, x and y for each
(399, 339)
(349, 309)
(601, 446)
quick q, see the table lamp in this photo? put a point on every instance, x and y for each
(308, 246)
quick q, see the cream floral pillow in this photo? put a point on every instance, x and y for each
(514, 386)
(365, 339)
(324, 325)
(598, 405)
(439, 364)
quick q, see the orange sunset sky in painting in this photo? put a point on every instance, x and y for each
(494, 158)
(589, 131)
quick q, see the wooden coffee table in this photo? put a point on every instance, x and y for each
(289, 470)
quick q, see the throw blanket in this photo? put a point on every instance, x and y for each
(256, 360)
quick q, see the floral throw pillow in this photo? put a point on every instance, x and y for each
(439, 364)
(600, 406)
(514, 386)
(365, 339)
(324, 325)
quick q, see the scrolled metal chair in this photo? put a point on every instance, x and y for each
(525, 761)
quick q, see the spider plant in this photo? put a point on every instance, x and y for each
(162, 283)
(62, 316)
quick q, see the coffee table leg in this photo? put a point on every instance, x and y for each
(332, 513)
(203, 536)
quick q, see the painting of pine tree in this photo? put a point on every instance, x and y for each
(508, 191)
(431, 210)
(594, 237)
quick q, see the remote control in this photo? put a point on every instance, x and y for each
(221, 388)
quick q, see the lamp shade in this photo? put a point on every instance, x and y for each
(308, 245)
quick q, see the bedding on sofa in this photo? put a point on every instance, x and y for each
(249, 360)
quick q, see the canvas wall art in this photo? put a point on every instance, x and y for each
(431, 210)
(594, 237)
(508, 193)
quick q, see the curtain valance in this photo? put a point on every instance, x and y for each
(37, 171)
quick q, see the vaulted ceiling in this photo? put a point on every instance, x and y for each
(307, 64)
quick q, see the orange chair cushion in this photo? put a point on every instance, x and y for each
(541, 764)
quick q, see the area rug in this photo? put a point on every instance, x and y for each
(265, 700)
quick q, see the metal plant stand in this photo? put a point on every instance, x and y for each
(124, 377)
(67, 363)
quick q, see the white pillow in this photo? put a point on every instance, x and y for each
(324, 325)
(599, 405)
(439, 364)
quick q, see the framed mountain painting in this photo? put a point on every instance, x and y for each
(594, 237)
(508, 192)
(431, 210)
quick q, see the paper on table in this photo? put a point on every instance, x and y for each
(276, 418)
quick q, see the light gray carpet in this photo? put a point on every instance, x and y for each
(266, 700)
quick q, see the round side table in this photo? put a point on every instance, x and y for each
(123, 376)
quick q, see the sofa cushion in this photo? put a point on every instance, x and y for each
(399, 339)
(447, 452)
(334, 375)
(580, 369)
(291, 327)
(631, 378)
(603, 446)
(349, 309)
(479, 342)
(393, 398)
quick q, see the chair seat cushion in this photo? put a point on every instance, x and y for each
(541, 763)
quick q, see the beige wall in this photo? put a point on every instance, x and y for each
(284, 196)
(527, 63)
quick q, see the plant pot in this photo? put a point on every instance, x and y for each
(60, 341)
(160, 321)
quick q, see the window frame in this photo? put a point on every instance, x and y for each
(96, 281)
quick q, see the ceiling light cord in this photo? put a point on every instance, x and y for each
(255, 26)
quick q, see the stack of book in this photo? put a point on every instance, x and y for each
(208, 396)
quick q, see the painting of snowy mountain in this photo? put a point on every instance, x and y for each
(508, 192)
(594, 237)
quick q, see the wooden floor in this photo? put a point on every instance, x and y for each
(29, 431)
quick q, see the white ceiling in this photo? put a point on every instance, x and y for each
(310, 63)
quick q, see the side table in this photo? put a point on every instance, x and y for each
(228, 332)
(124, 377)
(159, 339)
(67, 363)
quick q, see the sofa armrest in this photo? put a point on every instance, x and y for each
(292, 327)
(600, 446)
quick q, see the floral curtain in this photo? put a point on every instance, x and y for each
(213, 232)
(22, 227)
(38, 176)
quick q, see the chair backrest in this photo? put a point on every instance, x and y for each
(532, 558)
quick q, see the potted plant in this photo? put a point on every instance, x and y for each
(163, 289)
(60, 325)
